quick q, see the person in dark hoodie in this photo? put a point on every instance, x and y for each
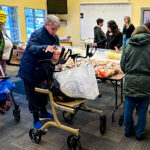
(40, 46)
(99, 35)
(135, 64)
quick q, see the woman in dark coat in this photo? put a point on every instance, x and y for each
(128, 29)
(40, 46)
(113, 36)
(135, 64)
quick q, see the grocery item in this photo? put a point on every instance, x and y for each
(113, 55)
(79, 51)
(73, 82)
(105, 73)
(106, 69)
(55, 56)
(118, 56)
(102, 68)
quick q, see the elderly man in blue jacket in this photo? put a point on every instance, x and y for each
(40, 46)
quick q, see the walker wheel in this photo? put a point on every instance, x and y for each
(100, 95)
(35, 136)
(121, 120)
(16, 114)
(68, 116)
(74, 143)
(102, 124)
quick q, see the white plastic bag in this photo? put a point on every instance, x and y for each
(79, 82)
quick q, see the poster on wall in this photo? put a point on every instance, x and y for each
(146, 15)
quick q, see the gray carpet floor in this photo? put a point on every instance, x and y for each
(14, 136)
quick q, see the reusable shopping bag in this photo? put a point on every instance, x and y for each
(79, 82)
(5, 88)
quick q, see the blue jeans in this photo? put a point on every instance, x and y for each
(125, 41)
(142, 106)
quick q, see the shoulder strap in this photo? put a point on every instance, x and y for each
(2, 44)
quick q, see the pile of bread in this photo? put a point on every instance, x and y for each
(113, 55)
(103, 68)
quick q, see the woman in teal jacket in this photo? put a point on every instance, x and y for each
(135, 64)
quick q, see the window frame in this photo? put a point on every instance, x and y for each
(142, 13)
(34, 17)
(18, 23)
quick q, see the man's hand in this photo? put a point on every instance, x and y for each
(94, 44)
(50, 49)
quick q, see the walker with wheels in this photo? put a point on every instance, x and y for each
(6, 96)
(70, 108)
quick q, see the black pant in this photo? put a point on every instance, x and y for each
(37, 101)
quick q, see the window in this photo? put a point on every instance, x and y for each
(35, 19)
(11, 26)
(145, 17)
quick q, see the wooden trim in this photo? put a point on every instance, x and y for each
(66, 42)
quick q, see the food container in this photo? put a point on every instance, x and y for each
(113, 55)
(55, 56)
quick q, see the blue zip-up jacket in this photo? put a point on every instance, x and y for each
(30, 70)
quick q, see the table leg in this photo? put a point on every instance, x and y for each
(116, 100)
(116, 84)
(121, 117)
(121, 90)
(100, 94)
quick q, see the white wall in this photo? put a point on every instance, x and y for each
(106, 11)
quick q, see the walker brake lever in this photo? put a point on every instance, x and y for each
(90, 52)
(68, 55)
(60, 56)
(64, 58)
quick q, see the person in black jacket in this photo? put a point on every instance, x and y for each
(127, 31)
(40, 46)
(99, 35)
(113, 36)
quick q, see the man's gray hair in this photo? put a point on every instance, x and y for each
(53, 20)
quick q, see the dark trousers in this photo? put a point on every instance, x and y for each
(142, 105)
(37, 101)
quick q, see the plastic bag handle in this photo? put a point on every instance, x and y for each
(63, 59)
(70, 53)
(90, 53)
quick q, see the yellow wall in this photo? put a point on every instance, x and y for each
(21, 4)
(73, 17)
(73, 22)
(104, 0)
(136, 10)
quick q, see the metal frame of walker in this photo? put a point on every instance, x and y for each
(68, 114)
